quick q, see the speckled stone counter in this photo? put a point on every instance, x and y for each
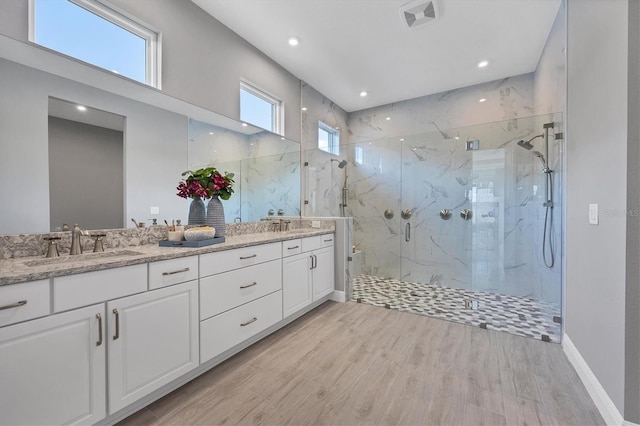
(21, 269)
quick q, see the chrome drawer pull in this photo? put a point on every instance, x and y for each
(14, 305)
(244, 324)
(329, 240)
(117, 314)
(99, 317)
(293, 248)
(248, 257)
(176, 272)
(249, 285)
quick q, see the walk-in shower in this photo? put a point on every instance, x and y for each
(342, 164)
(473, 251)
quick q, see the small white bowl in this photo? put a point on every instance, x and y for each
(195, 234)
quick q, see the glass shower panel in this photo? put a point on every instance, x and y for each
(436, 176)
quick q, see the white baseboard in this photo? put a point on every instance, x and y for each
(605, 405)
(338, 296)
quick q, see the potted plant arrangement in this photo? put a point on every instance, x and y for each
(210, 184)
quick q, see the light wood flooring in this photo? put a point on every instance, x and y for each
(350, 364)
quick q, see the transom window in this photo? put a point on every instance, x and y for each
(328, 138)
(261, 109)
(93, 32)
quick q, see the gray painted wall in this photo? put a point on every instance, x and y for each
(202, 60)
(597, 173)
(86, 175)
(632, 352)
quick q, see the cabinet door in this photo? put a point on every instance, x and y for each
(153, 339)
(52, 370)
(296, 283)
(323, 273)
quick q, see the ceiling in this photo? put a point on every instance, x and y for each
(349, 46)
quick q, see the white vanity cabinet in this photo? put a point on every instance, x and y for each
(52, 370)
(152, 340)
(308, 276)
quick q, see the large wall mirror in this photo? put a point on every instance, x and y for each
(41, 143)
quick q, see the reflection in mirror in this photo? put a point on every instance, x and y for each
(86, 166)
(266, 168)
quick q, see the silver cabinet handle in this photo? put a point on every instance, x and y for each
(252, 320)
(248, 257)
(99, 318)
(13, 305)
(249, 285)
(407, 232)
(293, 248)
(315, 261)
(176, 272)
(117, 314)
(329, 240)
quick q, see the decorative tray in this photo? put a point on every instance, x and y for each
(201, 243)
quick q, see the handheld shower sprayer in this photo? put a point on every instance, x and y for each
(341, 164)
(545, 168)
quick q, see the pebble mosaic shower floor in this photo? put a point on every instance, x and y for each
(516, 315)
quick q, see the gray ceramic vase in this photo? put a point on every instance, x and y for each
(215, 216)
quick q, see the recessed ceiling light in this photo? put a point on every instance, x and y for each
(210, 133)
(337, 127)
(401, 139)
(457, 137)
(244, 124)
(483, 64)
(482, 100)
(282, 138)
(388, 118)
(293, 41)
(363, 94)
(304, 108)
(81, 108)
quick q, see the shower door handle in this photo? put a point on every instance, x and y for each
(407, 232)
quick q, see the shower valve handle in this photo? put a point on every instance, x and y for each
(466, 214)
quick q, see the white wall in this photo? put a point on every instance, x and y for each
(155, 149)
(203, 60)
(596, 173)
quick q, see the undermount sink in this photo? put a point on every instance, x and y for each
(81, 257)
(301, 230)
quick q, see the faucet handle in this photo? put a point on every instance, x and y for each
(98, 246)
(52, 247)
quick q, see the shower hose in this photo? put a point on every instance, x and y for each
(548, 224)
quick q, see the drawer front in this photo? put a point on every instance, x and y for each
(291, 247)
(221, 292)
(25, 301)
(328, 240)
(226, 330)
(172, 271)
(223, 261)
(312, 243)
(78, 290)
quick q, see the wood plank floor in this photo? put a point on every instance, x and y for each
(351, 364)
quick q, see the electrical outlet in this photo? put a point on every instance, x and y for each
(154, 210)
(315, 224)
(593, 214)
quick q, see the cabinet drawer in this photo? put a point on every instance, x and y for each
(221, 292)
(172, 271)
(215, 263)
(226, 330)
(328, 240)
(312, 243)
(25, 301)
(92, 287)
(291, 247)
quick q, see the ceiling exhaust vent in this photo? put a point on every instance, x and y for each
(418, 13)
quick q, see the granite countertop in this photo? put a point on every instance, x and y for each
(17, 270)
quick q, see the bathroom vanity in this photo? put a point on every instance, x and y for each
(94, 339)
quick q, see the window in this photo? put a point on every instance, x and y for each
(261, 109)
(93, 32)
(328, 138)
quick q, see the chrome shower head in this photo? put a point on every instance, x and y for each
(341, 164)
(527, 144)
(541, 157)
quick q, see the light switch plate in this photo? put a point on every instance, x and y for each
(593, 214)
(154, 210)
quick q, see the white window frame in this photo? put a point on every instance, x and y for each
(277, 105)
(124, 20)
(334, 138)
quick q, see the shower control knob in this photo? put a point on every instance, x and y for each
(388, 214)
(466, 214)
(406, 214)
(445, 214)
